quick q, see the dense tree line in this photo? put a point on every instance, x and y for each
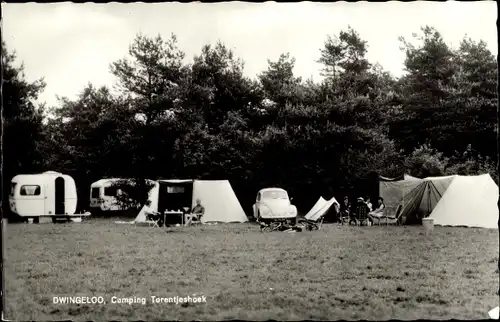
(206, 120)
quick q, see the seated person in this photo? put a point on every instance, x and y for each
(369, 203)
(362, 211)
(196, 213)
(198, 209)
(152, 214)
(356, 213)
(379, 211)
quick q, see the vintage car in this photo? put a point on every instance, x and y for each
(273, 204)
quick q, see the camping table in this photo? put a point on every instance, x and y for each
(173, 213)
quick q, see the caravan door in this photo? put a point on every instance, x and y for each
(60, 196)
(48, 190)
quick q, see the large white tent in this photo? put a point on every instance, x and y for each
(217, 197)
(469, 201)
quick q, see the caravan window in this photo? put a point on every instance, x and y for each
(30, 190)
(12, 188)
(95, 193)
(110, 191)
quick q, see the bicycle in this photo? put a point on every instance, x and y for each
(273, 226)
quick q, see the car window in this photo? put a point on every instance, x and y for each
(258, 196)
(275, 194)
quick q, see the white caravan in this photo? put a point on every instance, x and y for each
(45, 194)
(103, 195)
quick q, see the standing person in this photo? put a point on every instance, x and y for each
(345, 209)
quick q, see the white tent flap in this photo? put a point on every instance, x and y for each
(153, 197)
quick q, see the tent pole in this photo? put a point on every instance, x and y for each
(403, 206)
(428, 203)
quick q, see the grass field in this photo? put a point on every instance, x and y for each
(372, 273)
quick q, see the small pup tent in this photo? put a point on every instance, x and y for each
(317, 206)
(320, 208)
(216, 196)
(103, 195)
(45, 194)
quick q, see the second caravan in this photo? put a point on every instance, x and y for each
(103, 195)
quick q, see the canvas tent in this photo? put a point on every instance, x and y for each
(422, 198)
(417, 196)
(320, 208)
(317, 206)
(469, 201)
(217, 197)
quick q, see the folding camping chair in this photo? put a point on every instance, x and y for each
(311, 223)
(153, 220)
(377, 217)
(192, 219)
(360, 217)
(344, 216)
(396, 219)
